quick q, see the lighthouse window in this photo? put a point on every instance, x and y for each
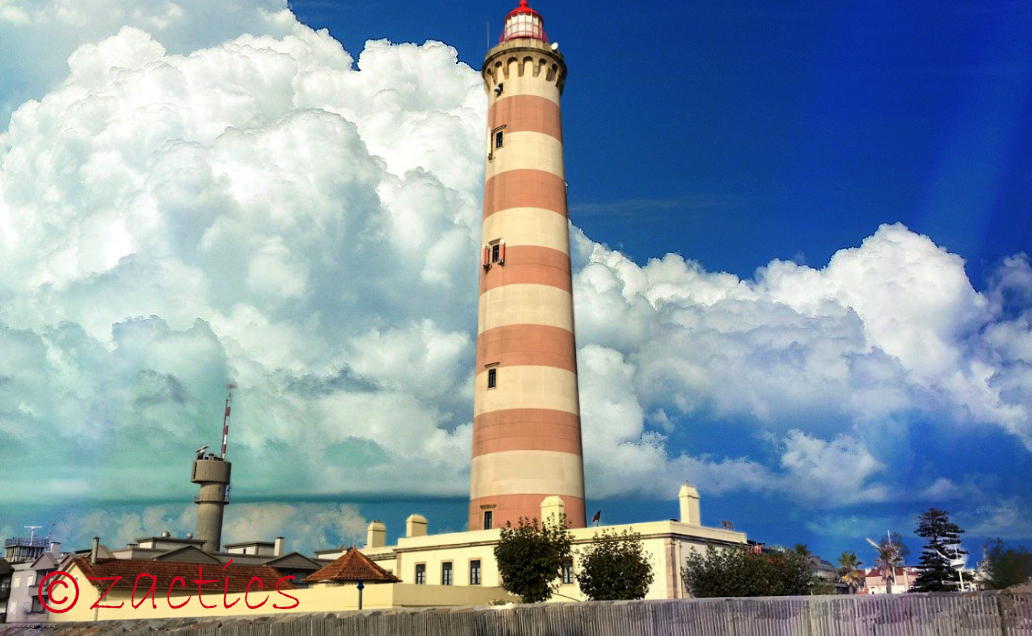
(495, 250)
(492, 378)
(488, 519)
(498, 139)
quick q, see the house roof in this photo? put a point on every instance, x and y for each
(46, 561)
(880, 571)
(187, 554)
(353, 566)
(294, 560)
(166, 571)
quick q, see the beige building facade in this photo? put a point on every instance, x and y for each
(466, 559)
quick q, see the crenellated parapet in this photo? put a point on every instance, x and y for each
(523, 59)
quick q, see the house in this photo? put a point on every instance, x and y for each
(878, 580)
(23, 604)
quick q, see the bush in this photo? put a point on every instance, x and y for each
(615, 568)
(1004, 567)
(734, 571)
(531, 556)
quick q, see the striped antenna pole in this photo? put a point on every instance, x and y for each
(225, 419)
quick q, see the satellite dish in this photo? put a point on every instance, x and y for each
(555, 46)
(202, 449)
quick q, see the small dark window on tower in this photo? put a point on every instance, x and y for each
(420, 574)
(568, 573)
(498, 139)
(492, 378)
(474, 572)
(495, 252)
(488, 518)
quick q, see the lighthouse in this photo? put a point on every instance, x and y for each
(526, 424)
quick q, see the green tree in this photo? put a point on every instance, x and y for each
(801, 549)
(531, 556)
(1004, 567)
(943, 546)
(615, 567)
(735, 571)
(892, 553)
(849, 571)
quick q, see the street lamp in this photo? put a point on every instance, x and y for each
(960, 565)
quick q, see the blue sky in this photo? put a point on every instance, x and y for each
(800, 270)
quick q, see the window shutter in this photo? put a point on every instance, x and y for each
(485, 258)
(501, 252)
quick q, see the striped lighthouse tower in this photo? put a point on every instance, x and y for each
(526, 425)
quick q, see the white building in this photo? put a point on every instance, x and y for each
(467, 558)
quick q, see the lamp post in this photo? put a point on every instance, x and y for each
(960, 572)
(361, 586)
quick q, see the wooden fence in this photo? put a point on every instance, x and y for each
(890, 615)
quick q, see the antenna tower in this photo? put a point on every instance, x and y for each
(225, 419)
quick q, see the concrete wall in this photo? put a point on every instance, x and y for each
(988, 614)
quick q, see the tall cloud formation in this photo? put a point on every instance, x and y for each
(269, 211)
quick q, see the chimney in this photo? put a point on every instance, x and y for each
(689, 497)
(415, 526)
(95, 550)
(377, 537)
(552, 509)
(278, 549)
(55, 548)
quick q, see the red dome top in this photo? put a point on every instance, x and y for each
(524, 22)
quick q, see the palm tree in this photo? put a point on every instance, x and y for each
(891, 554)
(801, 549)
(850, 572)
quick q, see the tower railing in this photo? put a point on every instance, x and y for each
(198, 499)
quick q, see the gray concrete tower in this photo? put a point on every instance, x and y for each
(212, 473)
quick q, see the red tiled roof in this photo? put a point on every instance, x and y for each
(165, 571)
(353, 566)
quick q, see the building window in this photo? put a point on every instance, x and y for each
(492, 378)
(568, 573)
(474, 572)
(488, 515)
(446, 578)
(421, 574)
(495, 250)
(498, 139)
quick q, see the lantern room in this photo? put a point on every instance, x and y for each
(524, 22)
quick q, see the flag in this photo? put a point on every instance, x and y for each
(598, 515)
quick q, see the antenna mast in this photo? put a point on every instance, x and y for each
(225, 419)
(32, 532)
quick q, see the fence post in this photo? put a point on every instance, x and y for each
(1003, 614)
